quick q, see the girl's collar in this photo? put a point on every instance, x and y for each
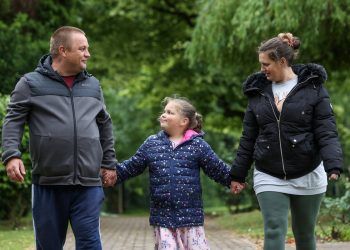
(188, 135)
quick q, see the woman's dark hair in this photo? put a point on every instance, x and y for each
(284, 45)
(187, 110)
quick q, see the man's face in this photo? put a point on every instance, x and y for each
(78, 53)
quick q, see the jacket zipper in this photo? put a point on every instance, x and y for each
(75, 137)
(278, 119)
(75, 150)
(173, 159)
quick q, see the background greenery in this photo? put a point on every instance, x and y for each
(145, 50)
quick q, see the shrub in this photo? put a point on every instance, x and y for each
(336, 211)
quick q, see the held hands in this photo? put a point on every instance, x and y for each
(109, 177)
(237, 187)
(15, 170)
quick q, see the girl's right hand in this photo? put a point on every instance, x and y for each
(237, 187)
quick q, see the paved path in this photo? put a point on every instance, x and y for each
(134, 233)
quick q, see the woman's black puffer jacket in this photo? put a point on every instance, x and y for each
(290, 143)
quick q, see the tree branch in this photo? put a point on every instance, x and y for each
(172, 9)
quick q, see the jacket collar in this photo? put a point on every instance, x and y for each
(44, 67)
(258, 82)
(163, 135)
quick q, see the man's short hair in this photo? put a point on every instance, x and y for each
(61, 37)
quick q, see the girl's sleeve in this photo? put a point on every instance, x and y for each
(213, 166)
(133, 166)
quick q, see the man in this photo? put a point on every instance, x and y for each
(71, 140)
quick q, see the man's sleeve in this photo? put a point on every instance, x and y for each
(13, 126)
(105, 125)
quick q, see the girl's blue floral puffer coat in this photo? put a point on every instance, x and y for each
(175, 188)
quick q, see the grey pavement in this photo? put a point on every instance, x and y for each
(134, 233)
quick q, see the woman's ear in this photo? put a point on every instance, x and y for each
(283, 61)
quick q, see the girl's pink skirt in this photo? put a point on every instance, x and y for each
(184, 238)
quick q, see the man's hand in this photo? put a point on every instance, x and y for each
(109, 177)
(237, 187)
(15, 170)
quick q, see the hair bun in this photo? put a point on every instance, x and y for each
(289, 39)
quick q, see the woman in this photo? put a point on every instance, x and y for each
(290, 133)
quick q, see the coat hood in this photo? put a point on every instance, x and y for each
(44, 67)
(258, 80)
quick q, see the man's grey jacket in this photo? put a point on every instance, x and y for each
(70, 130)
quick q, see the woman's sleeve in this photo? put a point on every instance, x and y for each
(326, 135)
(244, 156)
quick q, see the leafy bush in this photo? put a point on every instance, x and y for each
(336, 211)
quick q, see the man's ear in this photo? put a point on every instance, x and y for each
(62, 50)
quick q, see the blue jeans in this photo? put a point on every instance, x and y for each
(55, 206)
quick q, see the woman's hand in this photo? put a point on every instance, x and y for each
(333, 177)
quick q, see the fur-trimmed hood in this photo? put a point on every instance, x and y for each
(258, 81)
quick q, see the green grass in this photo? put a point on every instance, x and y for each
(21, 237)
(251, 224)
(248, 224)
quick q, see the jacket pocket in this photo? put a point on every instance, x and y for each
(265, 149)
(300, 144)
(51, 156)
(89, 157)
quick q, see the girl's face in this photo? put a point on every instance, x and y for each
(172, 121)
(272, 69)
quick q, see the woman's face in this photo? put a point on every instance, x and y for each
(273, 70)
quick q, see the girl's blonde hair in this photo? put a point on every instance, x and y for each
(187, 110)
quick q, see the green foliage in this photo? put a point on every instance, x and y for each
(143, 51)
(336, 211)
(228, 32)
(25, 29)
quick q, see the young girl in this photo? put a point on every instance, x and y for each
(174, 157)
